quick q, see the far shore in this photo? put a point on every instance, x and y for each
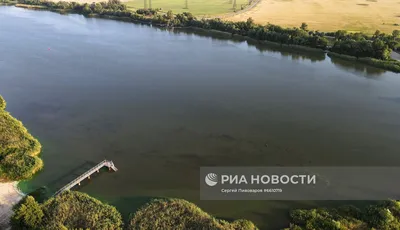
(9, 196)
(85, 1)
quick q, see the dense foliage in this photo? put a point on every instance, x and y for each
(358, 45)
(384, 216)
(69, 210)
(18, 149)
(75, 210)
(180, 214)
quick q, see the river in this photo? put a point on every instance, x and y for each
(160, 104)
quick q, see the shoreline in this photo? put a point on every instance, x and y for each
(9, 196)
(388, 65)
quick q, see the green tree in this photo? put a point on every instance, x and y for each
(380, 49)
(28, 215)
(250, 23)
(2, 103)
(304, 26)
(396, 33)
(98, 8)
(170, 15)
(180, 214)
(340, 34)
(86, 9)
(74, 210)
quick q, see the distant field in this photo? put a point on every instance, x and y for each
(328, 15)
(197, 7)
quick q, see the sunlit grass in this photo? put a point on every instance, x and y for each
(196, 7)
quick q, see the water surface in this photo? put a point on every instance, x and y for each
(160, 104)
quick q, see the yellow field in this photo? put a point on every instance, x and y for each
(328, 15)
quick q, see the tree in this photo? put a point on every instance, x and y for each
(250, 22)
(170, 15)
(76, 210)
(86, 9)
(304, 26)
(180, 214)
(340, 34)
(380, 49)
(2, 103)
(98, 8)
(28, 215)
(396, 33)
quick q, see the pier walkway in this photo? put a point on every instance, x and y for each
(87, 174)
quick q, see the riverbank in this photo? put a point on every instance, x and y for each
(392, 65)
(9, 196)
(296, 38)
(19, 160)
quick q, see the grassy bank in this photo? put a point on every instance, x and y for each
(19, 150)
(391, 65)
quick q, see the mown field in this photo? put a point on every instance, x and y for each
(197, 7)
(328, 15)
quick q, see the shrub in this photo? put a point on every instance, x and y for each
(18, 149)
(180, 214)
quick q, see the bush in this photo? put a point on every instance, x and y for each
(73, 210)
(180, 214)
(2, 103)
(18, 149)
(69, 210)
(384, 216)
(27, 215)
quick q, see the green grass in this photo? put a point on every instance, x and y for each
(196, 7)
(18, 149)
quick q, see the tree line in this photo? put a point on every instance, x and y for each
(76, 210)
(378, 46)
(382, 216)
(358, 45)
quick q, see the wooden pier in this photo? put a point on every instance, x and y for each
(87, 174)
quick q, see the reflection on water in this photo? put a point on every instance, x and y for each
(357, 68)
(286, 51)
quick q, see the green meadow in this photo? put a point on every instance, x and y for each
(196, 7)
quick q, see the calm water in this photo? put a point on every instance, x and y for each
(160, 104)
